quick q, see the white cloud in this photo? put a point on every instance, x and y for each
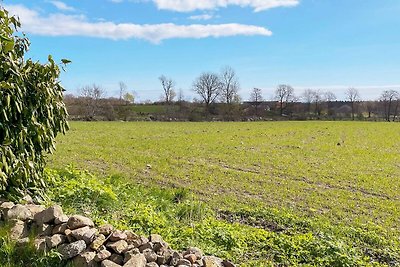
(78, 25)
(201, 17)
(191, 5)
(62, 6)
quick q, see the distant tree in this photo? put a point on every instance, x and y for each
(329, 98)
(389, 99)
(230, 85)
(208, 86)
(91, 95)
(284, 94)
(168, 87)
(317, 98)
(352, 96)
(129, 98)
(122, 90)
(307, 97)
(256, 98)
(181, 96)
(370, 107)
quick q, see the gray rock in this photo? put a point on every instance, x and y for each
(118, 259)
(18, 212)
(98, 242)
(108, 263)
(6, 206)
(162, 260)
(130, 253)
(211, 261)
(106, 229)
(55, 240)
(18, 230)
(23, 242)
(150, 255)
(102, 255)
(137, 260)
(40, 244)
(35, 209)
(175, 257)
(48, 215)
(68, 234)
(71, 250)
(78, 221)
(228, 264)
(152, 264)
(85, 259)
(156, 238)
(190, 257)
(43, 229)
(59, 229)
(62, 219)
(145, 246)
(165, 252)
(118, 246)
(196, 251)
(27, 199)
(118, 235)
(86, 234)
(131, 236)
(184, 262)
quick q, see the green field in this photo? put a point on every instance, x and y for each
(335, 179)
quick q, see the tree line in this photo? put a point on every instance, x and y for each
(217, 98)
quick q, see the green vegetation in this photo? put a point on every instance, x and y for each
(152, 109)
(12, 254)
(281, 193)
(31, 110)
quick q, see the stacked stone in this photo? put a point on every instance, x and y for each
(77, 239)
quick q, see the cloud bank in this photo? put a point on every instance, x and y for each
(78, 25)
(201, 17)
(191, 5)
(62, 6)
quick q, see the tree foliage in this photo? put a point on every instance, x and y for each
(32, 112)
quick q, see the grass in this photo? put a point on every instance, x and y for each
(276, 193)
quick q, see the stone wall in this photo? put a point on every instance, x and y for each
(77, 239)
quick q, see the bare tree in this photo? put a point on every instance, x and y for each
(256, 98)
(230, 85)
(353, 96)
(396, 108)
(122, 90)
(389, 97)
(208, 86)
(285, 94)
(92, 94)
(318, 97)
(181, 96)
(168, 87)
(329, 98)
(307, 96)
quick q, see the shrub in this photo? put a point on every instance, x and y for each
(31, 110)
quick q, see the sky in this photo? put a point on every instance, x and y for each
(317, 44)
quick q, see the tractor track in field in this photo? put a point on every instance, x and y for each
(316, 183)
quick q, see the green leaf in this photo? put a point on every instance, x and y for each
(5, 38)
(65, 61)
(8, 46)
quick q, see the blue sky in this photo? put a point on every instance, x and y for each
(318, 44)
